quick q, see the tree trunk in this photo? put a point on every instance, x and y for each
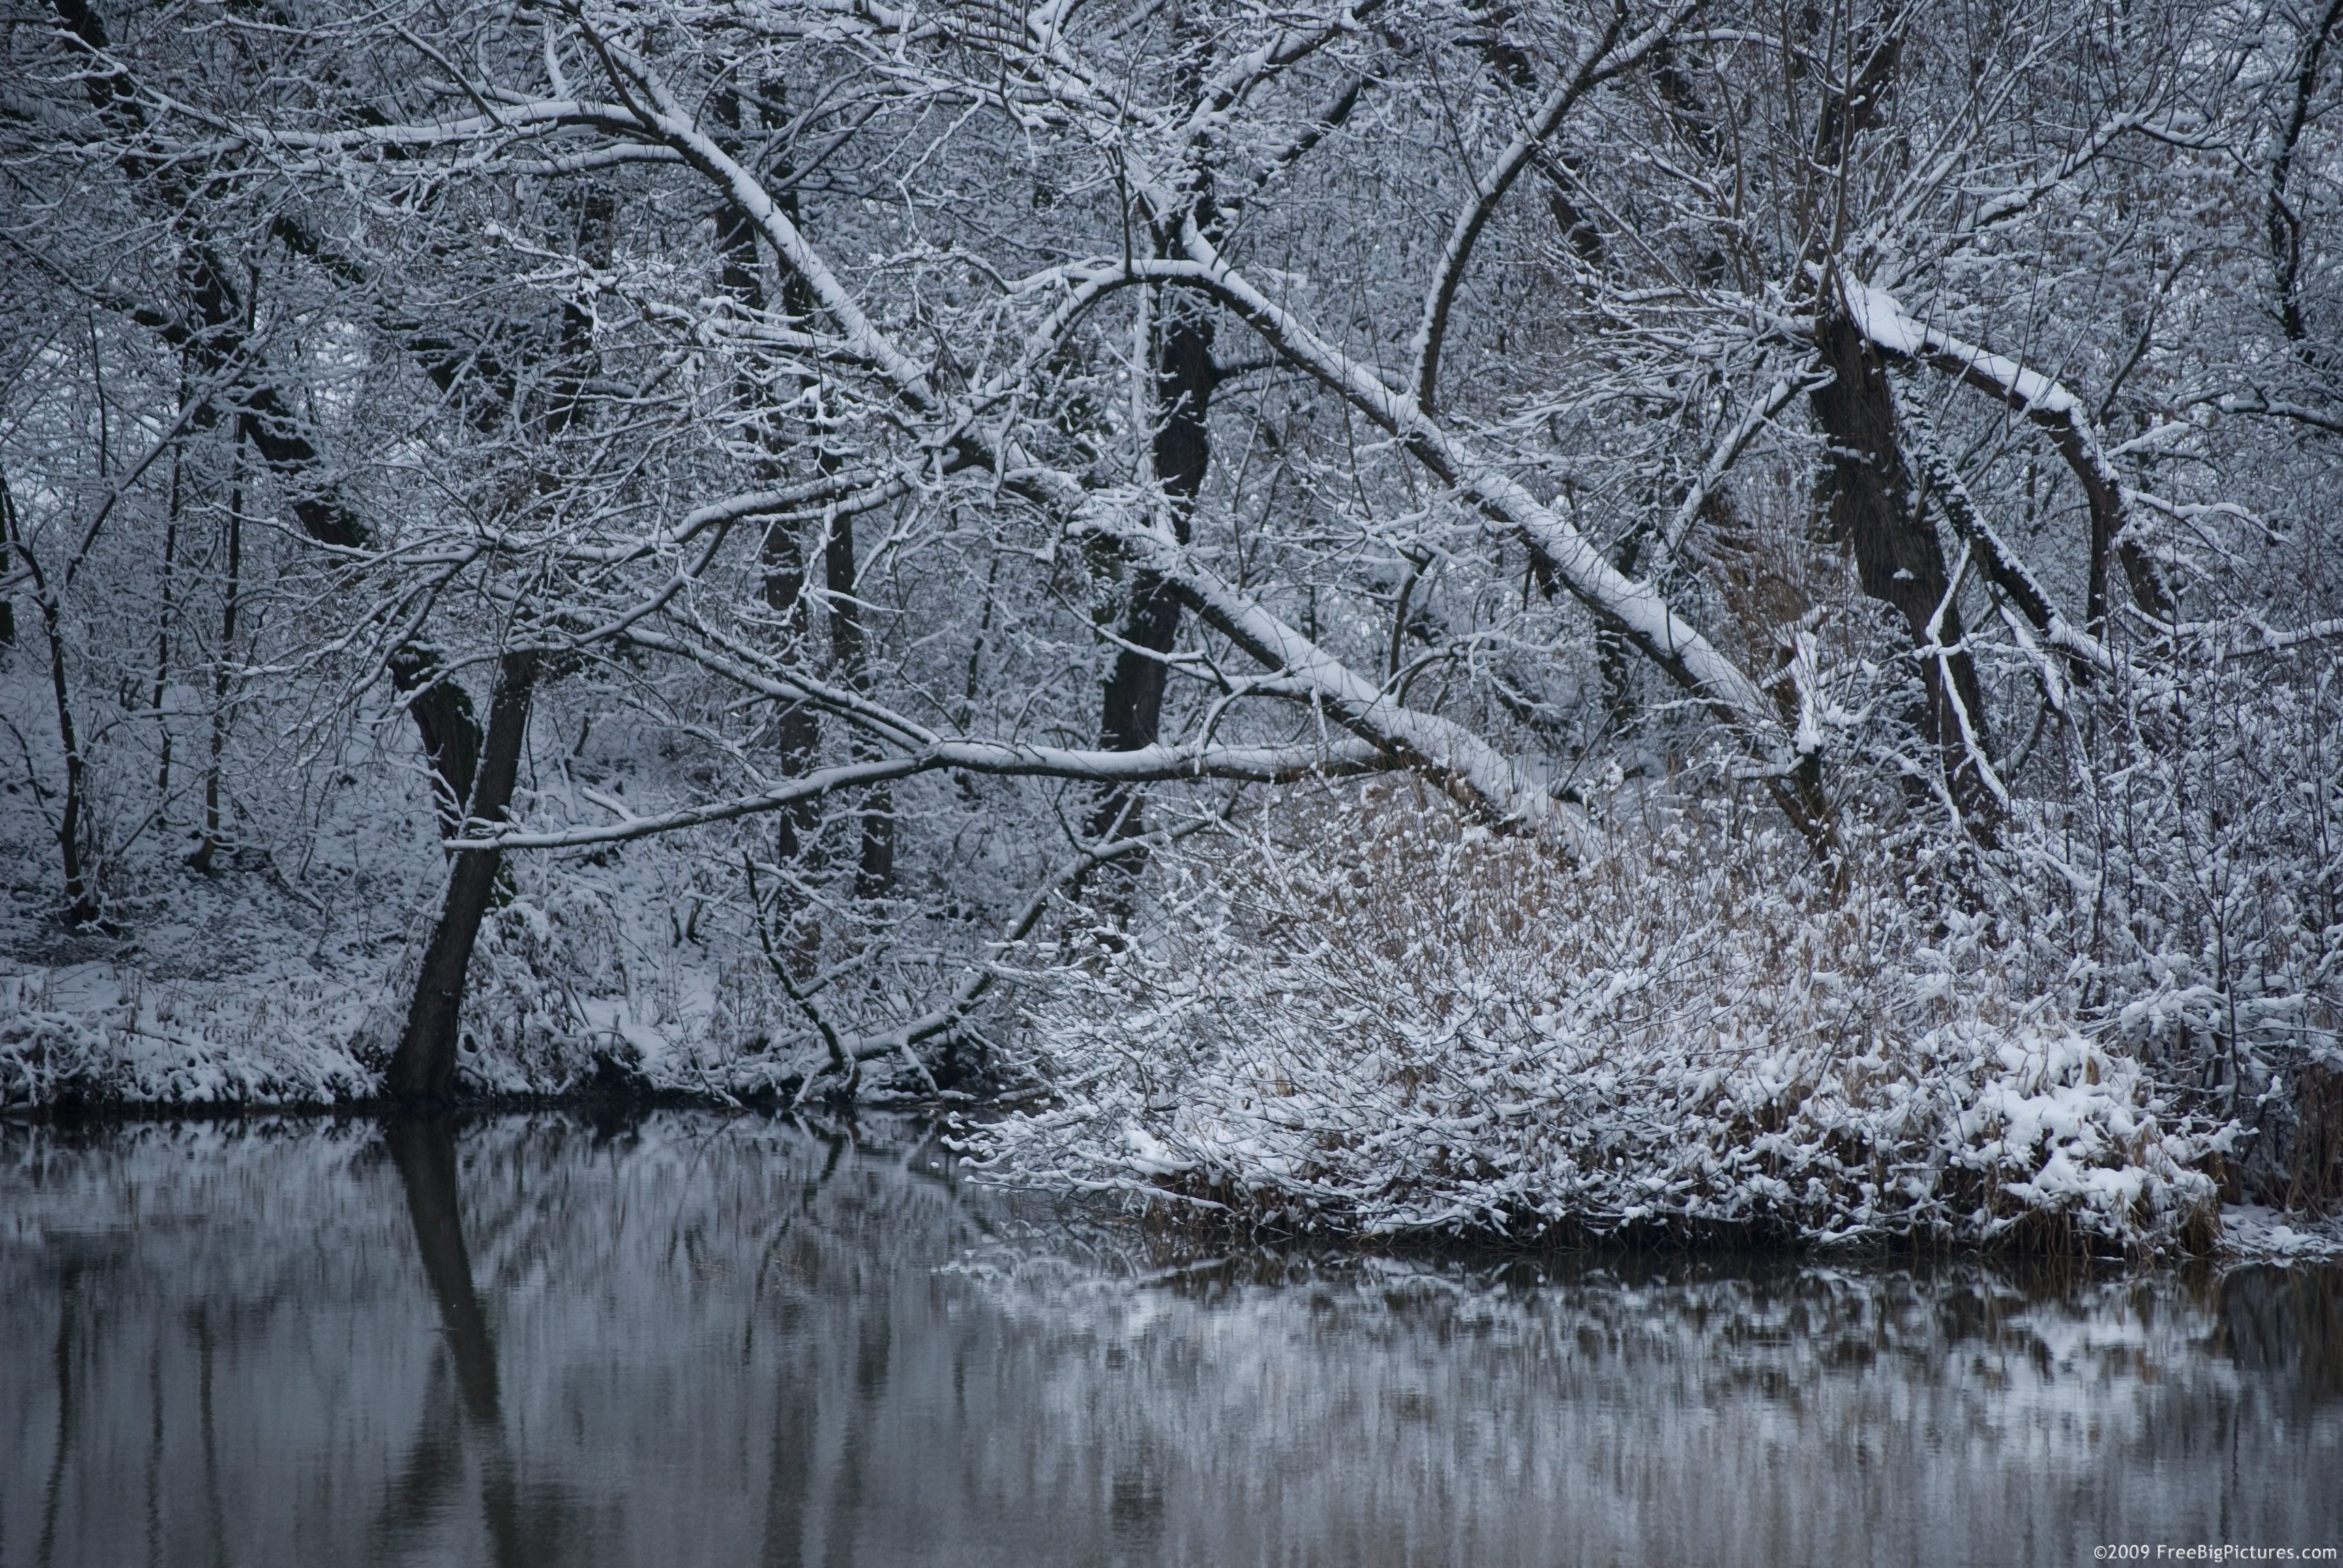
(1896, 556)
(1133, 713)
(2282, 227)
(210, 844)
(795, 730)
(781, 556)
(81, 899)
(163, 637)
(874, 863)
(450, 730)
(424, 1067)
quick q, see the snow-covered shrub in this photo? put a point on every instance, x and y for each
(1367, 1016)
(2200, 885)
(575, 986)
(96, 1035)
(531, 1027)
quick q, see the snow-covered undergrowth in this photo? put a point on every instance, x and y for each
(99, 1033)
(2254, 1232)
(226, 990)
(280, 977)
(626, 976)
(1366, 1018)
(568, 994)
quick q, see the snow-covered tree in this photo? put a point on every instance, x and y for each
(969, 448)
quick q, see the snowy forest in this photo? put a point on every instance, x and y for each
(1497, 617)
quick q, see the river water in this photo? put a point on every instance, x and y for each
(692, 1339)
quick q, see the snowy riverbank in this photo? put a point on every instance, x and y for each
(101, 1036)
(1404, 1029)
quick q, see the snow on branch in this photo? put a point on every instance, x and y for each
(1265, 764)
(1601, 58)
(1435, 745)
(1635, 607)
(2045, 403)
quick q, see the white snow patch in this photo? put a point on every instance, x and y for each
(2250, 1230)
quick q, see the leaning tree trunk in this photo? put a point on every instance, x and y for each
(1874, 515)
(424, 1067)
(1896, 557)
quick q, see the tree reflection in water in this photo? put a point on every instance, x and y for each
(423, 1146)
(692, 1338)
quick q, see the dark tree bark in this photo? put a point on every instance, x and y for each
(81, 898)
(231, 603)
(1874, 512)
(424, 1067)
(1896, 556)
(1133, 713)
(874, 865)
(2283, 225)
(795, 727)
(1131, 707)
(2108, 546)
(163, 636)
(1861, 103)
(450, 730)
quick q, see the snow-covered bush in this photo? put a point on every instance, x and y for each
(107, 1037)
(2200, 884)
(1367, 1016)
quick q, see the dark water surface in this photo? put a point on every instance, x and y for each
(698, 1340)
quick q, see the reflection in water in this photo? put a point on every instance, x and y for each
(704, 1340)
(424, 1149)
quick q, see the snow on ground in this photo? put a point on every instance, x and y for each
(1487, 1042)
(278, 977)
(280, 1035)
(2252, 1231)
